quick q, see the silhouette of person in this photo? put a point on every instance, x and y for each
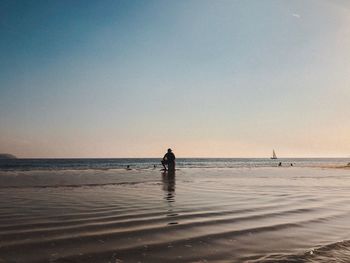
(280, 164)
(169, 159)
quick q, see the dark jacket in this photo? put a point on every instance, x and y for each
(169, 157)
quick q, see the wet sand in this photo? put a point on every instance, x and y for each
(286, 214)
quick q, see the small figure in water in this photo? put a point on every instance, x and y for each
(169, 159)
(280, 164)
(128, 167)
(154, 166)
(291, 164)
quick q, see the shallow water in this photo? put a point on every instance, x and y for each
(148, 163)
(265, 214)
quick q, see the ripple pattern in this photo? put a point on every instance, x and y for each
(196, 215)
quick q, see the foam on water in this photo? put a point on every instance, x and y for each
(148, 163)
(338, 252)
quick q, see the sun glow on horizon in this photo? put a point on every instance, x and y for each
(209, 79)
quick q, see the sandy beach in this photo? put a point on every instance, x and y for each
(200, 215)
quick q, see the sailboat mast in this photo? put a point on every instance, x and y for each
(273, 155)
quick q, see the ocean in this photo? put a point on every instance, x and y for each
(148, 163)
(210, 210)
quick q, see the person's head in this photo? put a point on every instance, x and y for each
(169, 150)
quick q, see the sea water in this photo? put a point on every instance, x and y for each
(144, 163)
(210, 210)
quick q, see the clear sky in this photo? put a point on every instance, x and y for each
(206, 78)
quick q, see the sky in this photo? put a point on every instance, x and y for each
(206, 78)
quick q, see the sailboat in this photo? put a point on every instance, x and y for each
(273, 155)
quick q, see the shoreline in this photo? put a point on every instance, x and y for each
(201, 215)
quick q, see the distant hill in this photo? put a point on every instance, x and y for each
(7, 156)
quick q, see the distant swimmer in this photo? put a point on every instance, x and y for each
(280, 164)
(169, 159)
(128, 167)
(291, 164)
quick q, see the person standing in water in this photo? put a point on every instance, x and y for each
(169, 159)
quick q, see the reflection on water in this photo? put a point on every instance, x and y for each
(200, 215)
(168, 179)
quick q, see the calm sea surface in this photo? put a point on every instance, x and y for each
(144, 163)
(211, 210)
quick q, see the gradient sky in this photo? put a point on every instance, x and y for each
(207, 78)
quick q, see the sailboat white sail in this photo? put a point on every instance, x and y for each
(274, 156)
